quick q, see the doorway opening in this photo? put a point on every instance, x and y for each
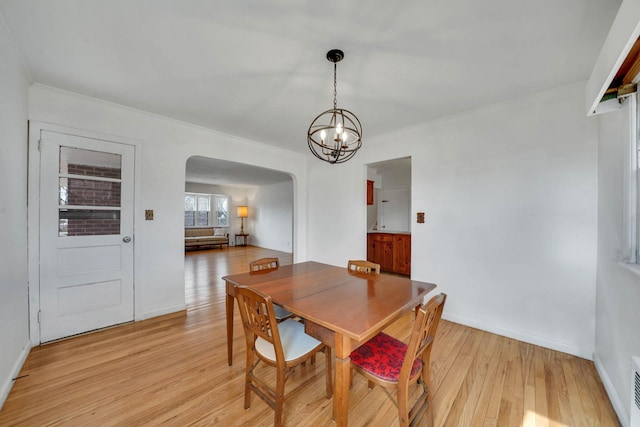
(389, 215)
(264, 196)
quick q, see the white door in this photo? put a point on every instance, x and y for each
(86, 234)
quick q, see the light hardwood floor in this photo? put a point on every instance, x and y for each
(172, 370)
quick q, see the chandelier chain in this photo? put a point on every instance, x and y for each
(335, 86)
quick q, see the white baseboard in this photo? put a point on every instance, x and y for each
(623, 417)
(521, 336)
(161, 312)
(7, 385)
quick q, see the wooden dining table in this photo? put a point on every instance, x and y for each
(343, 309)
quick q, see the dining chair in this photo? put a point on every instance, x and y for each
(264, 265)
(389, 362)
(362, 266)
(283, 345)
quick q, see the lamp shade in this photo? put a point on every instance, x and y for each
(243, 211)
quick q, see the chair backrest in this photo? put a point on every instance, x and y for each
(264, 264)
(258, 319)
(361, 266)
(423, 335)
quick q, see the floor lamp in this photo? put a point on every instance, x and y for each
(243, 212)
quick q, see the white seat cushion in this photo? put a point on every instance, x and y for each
(295, 343)
(280, 312)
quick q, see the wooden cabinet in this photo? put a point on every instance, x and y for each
(380, 250)
(369, 192)
(402, 253)
(391, 251)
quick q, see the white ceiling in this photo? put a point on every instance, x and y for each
(257, 68)
(205, 170)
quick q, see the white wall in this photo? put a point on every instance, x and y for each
(510, 196)
(337, 210)
(271, 216)
(618, 284)
(14, 314)
(163, 147)
(394, 209)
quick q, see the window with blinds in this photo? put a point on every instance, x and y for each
(206, 210)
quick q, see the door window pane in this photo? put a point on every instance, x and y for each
(88, 222)
(77, 161)
(86, 192)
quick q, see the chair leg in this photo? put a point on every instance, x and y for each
(371, 384)
(429, 413)
(279, 409)
(403, 407)
(427, 385)
(247, 380)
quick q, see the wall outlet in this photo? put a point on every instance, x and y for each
(148, 214)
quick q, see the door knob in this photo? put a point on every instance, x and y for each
(126, 239)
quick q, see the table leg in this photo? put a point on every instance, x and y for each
(343, 373)
(229, 309)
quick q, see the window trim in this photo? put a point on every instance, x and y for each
(631, 218)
